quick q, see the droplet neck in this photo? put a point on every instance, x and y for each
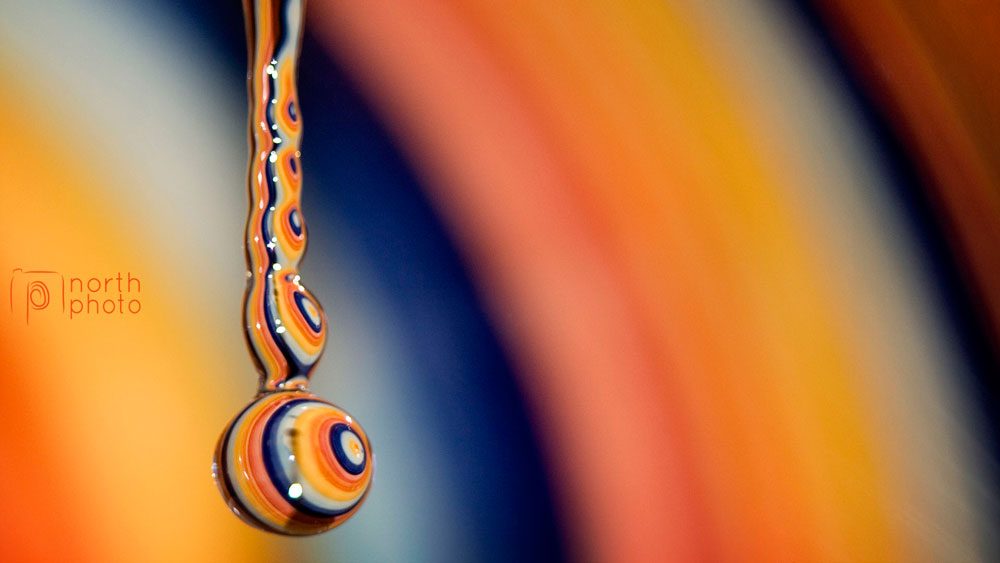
(285, 326)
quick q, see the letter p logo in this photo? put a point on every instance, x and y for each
(34, 286)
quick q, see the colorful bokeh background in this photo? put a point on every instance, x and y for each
(629, 281)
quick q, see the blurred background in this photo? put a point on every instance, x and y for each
(607, 281)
